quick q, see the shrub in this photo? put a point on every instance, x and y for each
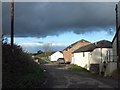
(18, 69)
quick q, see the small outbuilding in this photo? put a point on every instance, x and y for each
(56, 55)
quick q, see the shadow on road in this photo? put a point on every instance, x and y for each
(58, 76)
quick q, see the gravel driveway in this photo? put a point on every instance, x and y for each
(57, 76)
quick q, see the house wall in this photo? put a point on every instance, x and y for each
(114, 45)
(110, 68)
(113, 65)
(55, 56)
(96, 57)
(114, 50)
(81, 60)
(68, 53)
(93, 57)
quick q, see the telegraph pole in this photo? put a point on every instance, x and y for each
(116, 9)
(117, 36)
(117, 45)
(12, 23)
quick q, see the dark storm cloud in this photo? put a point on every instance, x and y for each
(42, 19)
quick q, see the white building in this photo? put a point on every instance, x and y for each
(93, 54)
(56, 55)
(81, 59)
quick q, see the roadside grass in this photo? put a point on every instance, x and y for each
(18, 69)
(77, 68)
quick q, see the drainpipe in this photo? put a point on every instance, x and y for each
(117, 45)
(101, 54)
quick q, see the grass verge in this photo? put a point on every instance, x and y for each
(77, 68)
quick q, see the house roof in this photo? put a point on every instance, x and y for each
(103, 44)
(70, 46)
(52, 52)
(61, 51)
(91, 47)
(56, 51)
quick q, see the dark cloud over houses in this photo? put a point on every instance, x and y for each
(42, 19)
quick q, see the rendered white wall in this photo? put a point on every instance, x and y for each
(72, 62)
(93, 57)
(96, 55)
(55, 56)
(110, 68)
(80, 60)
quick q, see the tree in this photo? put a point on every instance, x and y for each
(47, 49)
(4, 39)
(39, 51)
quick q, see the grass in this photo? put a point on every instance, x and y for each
(77, 68)
(18, 69)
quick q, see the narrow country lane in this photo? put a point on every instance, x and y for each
(57, 76)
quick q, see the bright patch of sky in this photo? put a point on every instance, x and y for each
(61, 41)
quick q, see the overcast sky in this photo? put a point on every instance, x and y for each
(42, 19)
(38, 21)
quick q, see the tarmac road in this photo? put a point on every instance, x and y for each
(57, 76)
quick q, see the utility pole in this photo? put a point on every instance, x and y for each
(117, 36)
(12, 23)
(117, 40)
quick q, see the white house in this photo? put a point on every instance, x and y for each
(93, 55)
(56, 55)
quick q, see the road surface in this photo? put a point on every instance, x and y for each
(58, 76)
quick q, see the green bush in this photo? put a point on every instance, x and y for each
(18, 68)
(42, 58)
